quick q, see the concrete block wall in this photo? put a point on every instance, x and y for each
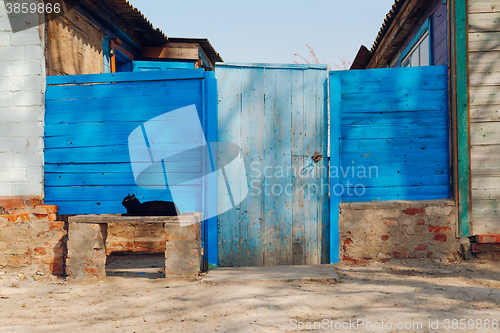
(398, 230)
(22, 85)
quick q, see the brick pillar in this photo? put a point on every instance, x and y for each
(183, 249)
(86, 250)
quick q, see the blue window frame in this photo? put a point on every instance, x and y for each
(419, 51)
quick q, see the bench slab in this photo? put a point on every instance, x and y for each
(183, 219)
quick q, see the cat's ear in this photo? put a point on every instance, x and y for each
(133, 195)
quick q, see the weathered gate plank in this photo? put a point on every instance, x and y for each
(278, 120)
(252, 211)
(229, 131)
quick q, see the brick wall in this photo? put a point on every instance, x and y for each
(398, 230)
(22, 84)
(138, 238)
(30, 237)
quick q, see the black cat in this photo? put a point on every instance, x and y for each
(149, 208)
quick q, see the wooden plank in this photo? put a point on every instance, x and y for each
(298, 251)
(229, 124)
(120, 128)
(484, 22)
(484, 96)
(486, 227)
(434, 100)
(122, 89)
(252, 140)
(395, 193)
(485, 133)
(298, 114)
(278, 210)
(490, 194)
(482, 162)
(116, 179)
(420, 118)
(103, 154)
(385, 145)
(483, 6)
(480, 41)
(482, 61)
(194, 166)
(105, 110)
(393, 79)
(363, 132)
(480, 114)
(125, 77)
(183, 52)
(298, 213)
(312, 143)
(480, 79)
(400, 179)
(485, 182)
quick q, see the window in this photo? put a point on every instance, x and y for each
(418, 52)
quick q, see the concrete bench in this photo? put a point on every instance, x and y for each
(87, 243)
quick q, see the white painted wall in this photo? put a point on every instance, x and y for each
(22, 87)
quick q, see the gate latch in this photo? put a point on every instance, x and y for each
(317, 157)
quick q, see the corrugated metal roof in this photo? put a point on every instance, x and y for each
(389, 18)
(153, 36)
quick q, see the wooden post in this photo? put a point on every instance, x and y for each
(460, 91)
(335, 100)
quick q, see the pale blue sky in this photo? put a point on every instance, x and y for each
(272, 31)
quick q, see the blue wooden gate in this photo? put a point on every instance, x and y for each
(88, 152)
(278, 115)
(88, 120)
(393, 132)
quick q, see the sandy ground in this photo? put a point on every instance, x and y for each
(399, 293)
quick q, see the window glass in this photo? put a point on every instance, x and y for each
(419, 55)
(424, 51)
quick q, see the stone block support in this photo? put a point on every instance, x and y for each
(86, 250)
(183, 249)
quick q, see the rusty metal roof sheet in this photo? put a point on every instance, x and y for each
(153, 36)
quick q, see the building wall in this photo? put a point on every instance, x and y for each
(74, 45)
(438, 13)
(484, 84)
(22, 86)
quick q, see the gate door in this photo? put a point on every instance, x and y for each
(278, 116)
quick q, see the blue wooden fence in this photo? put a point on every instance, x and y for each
(87, 123)
(394, 134)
